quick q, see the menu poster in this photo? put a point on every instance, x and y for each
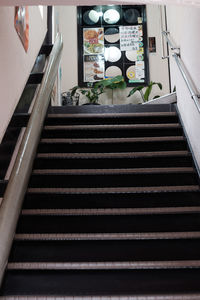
(94, 68)
(21, 23)
(93, 41)
(130, 36)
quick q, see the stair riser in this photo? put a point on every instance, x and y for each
(112, 180)
(148, 132)
(105, 251)
(125, 200)
(109, 224)
(108, 121)
(111, 147)
(85, 283)
(143, 162)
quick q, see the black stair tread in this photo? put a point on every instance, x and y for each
(105, 178)
(113, 140)
(109, 223)
(113, 171)
(107, 236)
(188, 296)
(125, 265)
(113, 160)
(111, 211)
(101, 282)
(105, 250)
(114, 155)
(111, 115)
(110, 127)
(154, 189)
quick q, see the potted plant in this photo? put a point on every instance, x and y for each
(145, 95)
(112, 83)
(99, 87)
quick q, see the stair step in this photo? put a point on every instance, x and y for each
(99, 250)
(3, 184)
(105, 131)
(107, 236)
(113, 160)
(168, 143)
(111, 118)
(109, 223)
(143, 199)
(101, 282)
(113, 211)
(112, 177)
(153, 189)
(125, 265)
(112, 171)
(176, 296)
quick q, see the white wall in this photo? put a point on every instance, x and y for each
(15, 63)
(158, 67)
(183, 25)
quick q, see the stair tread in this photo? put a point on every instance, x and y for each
(155, 189)
(181, 264)
(112, 171)
(110, 115)
(176, 296)
(114, 155)
(109, 127)
(107, 236)
(112, 140)
(112, 211)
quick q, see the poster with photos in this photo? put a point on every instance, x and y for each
(93, 41)
(21, 23)
(93, 68)
(111, 42)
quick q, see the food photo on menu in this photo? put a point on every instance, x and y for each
(93, 40)
(94, 66)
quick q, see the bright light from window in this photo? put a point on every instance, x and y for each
(41, 8)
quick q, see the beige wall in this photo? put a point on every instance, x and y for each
(68, 28)
(15, 63)
(183, 25)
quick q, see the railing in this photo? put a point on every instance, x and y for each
(17, 185)
(187, 78)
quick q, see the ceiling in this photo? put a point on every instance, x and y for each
(95, 2)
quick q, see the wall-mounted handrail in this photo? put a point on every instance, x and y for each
(163, 26)
(166, 33)
(186, 76)
(17, 185)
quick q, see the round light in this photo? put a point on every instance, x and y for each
(111, 16)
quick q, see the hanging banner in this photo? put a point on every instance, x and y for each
(21, 23)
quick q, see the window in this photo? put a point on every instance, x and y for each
(112, 40)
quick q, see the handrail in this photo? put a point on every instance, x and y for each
(186, 76)
(17, 185)
(166, 33)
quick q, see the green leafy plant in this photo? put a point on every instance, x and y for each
(113, 83)
(92, 94)
(145, 95)
(99, 87)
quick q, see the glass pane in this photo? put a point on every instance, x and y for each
(91, 17)
(112, 54)
(131, 16)
(111, 16)
(113, 71)
(112, 35)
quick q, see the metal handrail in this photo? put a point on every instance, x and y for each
(172, 47)
(17, 185)
(186, 76)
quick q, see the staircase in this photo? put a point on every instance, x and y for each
(112, 210)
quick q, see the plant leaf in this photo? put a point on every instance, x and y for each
(134, 90)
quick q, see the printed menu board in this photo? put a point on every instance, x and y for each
(112, 41)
